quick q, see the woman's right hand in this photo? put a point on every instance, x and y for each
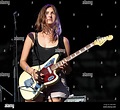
(38, 76)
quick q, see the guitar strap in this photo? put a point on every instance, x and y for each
(36, 47)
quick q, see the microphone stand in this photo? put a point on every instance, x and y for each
(2, 88)
(15, 62)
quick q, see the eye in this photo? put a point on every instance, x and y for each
(53, 13)
(46, 13)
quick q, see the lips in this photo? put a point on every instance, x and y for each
(49, 19)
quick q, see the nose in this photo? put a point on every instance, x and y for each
(50, 15)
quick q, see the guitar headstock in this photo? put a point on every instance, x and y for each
(102, 40)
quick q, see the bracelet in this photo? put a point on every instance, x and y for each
(26, 68)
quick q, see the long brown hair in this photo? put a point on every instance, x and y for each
(41, 25)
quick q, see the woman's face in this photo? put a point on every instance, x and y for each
(50, 16)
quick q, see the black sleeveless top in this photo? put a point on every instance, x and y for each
(40, 54)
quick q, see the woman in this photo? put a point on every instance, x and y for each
(44, 43)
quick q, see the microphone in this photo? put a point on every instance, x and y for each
(15, 13)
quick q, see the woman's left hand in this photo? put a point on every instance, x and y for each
(63, 65)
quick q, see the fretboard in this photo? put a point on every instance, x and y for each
(72, 56)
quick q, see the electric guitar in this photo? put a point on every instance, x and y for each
(30, 89)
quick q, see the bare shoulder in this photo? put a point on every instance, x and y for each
(65, 40)
(67, 45)
(31, 36)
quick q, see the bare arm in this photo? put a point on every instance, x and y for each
(24, 55)
(67, 49)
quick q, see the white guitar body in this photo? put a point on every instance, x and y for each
(30, 88)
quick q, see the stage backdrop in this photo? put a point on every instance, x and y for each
(95, 72)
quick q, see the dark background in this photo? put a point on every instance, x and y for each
(82, 23)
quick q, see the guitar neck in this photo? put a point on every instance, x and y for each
(72, 56)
